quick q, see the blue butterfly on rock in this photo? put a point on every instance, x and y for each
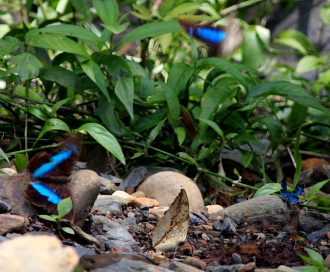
(222, 39)
(291, 197)
(49, 172)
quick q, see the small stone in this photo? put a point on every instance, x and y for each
(108, 187)
(9, 223)
(195, 262)
(327, 261)
(158, 211)
(30, 253)
(138, 194)
(144, 207)
(121, 194)
(4, 207)
(237, 258)
(178, 266)
(213, 208)
(9, 171)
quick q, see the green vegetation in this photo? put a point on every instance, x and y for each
(64, 72)
(316, 259)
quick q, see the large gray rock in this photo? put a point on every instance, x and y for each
(165, 187)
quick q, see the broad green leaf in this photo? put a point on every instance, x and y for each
(47, 217)
(247, 158)
(273, 125)
(58, 105)
(180, 9)
(315, 189)
(187, 157)
(165, 41)
(268, 189)
(145, 122)
(95, 74)
(142, 11)
(227, 67)
(297, 116)
(68, 230)
(297, 40)
(253, 49)
(172, 100)
(72, 31)
(107, 10)
(151, 30)
(27, 65)
(117, 29)
(309, 63)
(181, 134)
(7, 45)
(289, 90)
(64, 207)
(211, 102)
(308, 268)
(322, 82)
(3, 155)
(53, 124)
(124, 90)
(213, 125)
(137, 155)
(179, 77)
(41, 111)
(21, 162)
(154, 133)
(56, 42)
(104, 138)
(325, 15)
(315, 256)
(110, 118)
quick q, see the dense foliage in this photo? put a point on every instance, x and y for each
(67, 67)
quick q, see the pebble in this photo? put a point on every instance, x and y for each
(213, 208)
(109, 204)
(327, 261)
(4, 207)
(9, 171)
(195, 262)
(183, 267)
(9, 223)
(31, 253)
(108, 187)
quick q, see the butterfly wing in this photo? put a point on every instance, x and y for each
(291, 197)
(223, 39)
(48, 196)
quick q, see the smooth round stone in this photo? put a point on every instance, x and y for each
(165, 187)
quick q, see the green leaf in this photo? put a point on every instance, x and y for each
(297, 40)
(3, 155)
(309, 63)
(72, 31)
(325, 15)
(315, 189)
(308, 268)
(68, 230)
(151, 30)
(64, 207)
(273, 125)
(21, 162)
(143, 12)
(288, 90)
(124, 90)
(53, 124)
(47, 217)
(181, 134)
(117, 29)
(107, 10)
(253, 49)
(58, 105)
(41, 111)
(268, 189)
(180, 9)
(213, 125)
(247, 158)
(95, 74)
(179, 76)
(56, 42)
(315, 256)
(154, 133)
(104, 138)
(211, 100)
(187, 157)
(172, 100)
(7, 45)
(27, 65)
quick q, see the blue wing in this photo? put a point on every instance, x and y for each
(44, 190)
(61, 156)
(44, 170)
(212, 35)
(291, 197)
(299, 191)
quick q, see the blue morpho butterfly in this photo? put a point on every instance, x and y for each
(291, 197)
(52, 170)
(223, 39)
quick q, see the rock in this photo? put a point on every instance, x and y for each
(195, 262)
(138, 194)
(183, 267)
(12, 192)
(165, 187)
(121, 194)
(213, 208)
(137, 202)
(115, 234)
(83, 251)
(4, 207)
(310, 221)
(85, 187)
(9, 171)
(226, 226)
(327, 261)
(9, 223)
(37, 253)
(225, 268)
(264, 206)
(109, 204)
(320, 234)
(108, 187)
(101, 260)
